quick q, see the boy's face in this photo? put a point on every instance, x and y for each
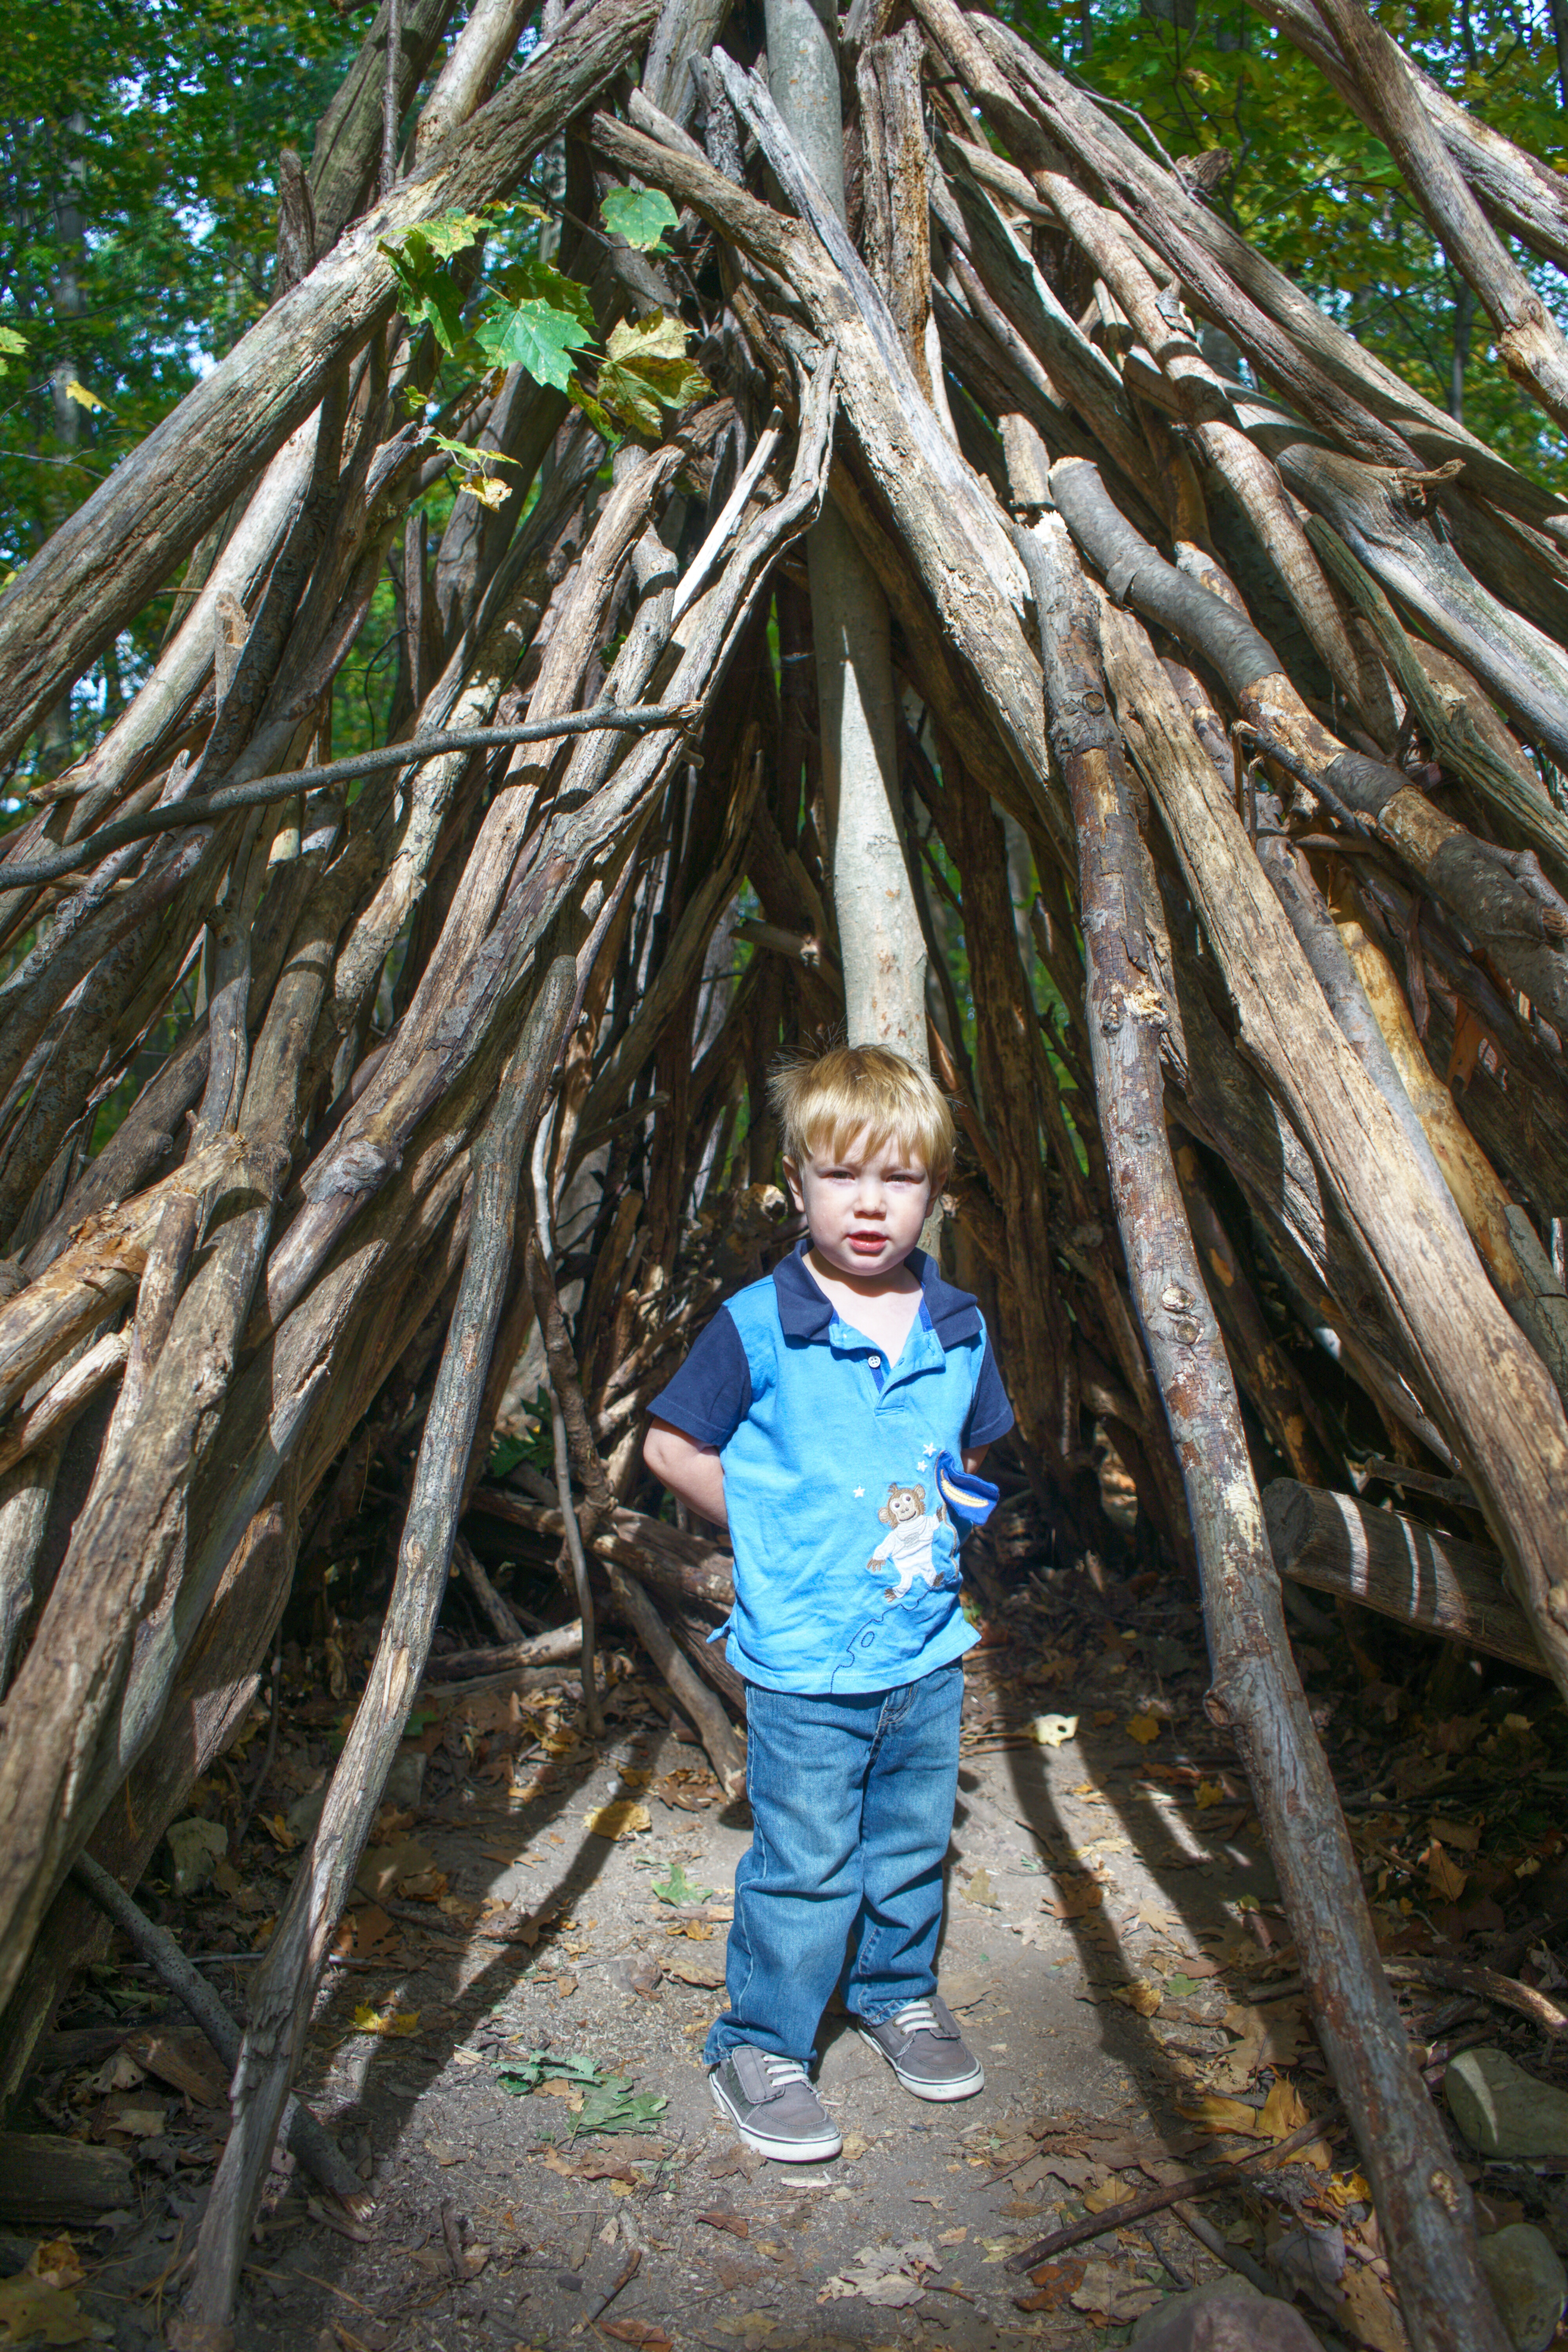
(865, 1210)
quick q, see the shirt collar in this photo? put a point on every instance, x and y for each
(806, 1313)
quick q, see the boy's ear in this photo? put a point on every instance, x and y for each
(792, 1178)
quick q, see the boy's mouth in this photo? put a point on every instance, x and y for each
(867, 1244)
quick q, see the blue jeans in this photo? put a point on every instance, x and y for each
(852, 1800)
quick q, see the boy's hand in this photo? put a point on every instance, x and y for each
(688, 1469)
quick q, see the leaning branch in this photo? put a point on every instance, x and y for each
(263, 789)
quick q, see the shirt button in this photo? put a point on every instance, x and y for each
(876, 1363)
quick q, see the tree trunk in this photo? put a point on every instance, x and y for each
(883, 946)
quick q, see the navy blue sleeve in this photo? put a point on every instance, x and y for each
(711, 1395)
(990, 1415)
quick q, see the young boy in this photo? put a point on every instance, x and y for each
(823, 1414)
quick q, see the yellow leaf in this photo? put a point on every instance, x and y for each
(1142, 1996)
(1447, 1878)
(389, 2022)
(31, 2313)
(624, 1818)
(1209, 1793)
(979, 1891)
(489, 489)
(1054, 1730)
(82, 397)
(656, 337)
(1107, 2193)
(1284, 2111)
(1218, 2114)
(55, 2262)
(1144, 1728)
(1373, 2320)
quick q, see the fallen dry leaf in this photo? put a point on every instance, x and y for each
(394, 2022)
(185, 2061)
(1284, 2111)
(952, 2237)
(1218, 2114)
(31, 2313)
(735, 2223)
(1144, 1728)
(644, 2332)
(1141, 1996)
(55, 2262)
(624, 1818)
(1054, 1730)
(1054, 2283)
(705, 1973)
(979, 1890)
(1073, 1898)
(855, 2146)
(1370, 2313)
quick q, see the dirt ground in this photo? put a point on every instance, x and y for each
(1111, 1946)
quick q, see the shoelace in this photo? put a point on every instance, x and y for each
(782, 2072)
(919, 2018)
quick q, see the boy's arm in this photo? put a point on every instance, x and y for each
(973, 1456)
(691, 1470)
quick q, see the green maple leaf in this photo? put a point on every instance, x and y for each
(11, 346)
(541, 324)
(428, 293)
(640, 214)
(678, 1888)
(537, 337)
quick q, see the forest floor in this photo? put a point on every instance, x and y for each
(509, 2049)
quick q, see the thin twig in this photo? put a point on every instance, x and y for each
(1198, 2184)
(1481, 1984)
(254, 1799)
(1281, 756)
(309, 2140)
(198, 811)
(538, 1253)
(623, 2277)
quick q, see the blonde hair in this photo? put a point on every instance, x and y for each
(855, 1089)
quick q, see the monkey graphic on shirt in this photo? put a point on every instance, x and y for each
(906, 1549)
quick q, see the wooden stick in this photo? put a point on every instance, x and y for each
(411, 754)
(280, 2004)
(1483, 1984)
(309, 2139)
(1197, 2184)
(1435, 1583)
(1422, 2201)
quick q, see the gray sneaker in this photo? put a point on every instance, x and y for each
(773, 2106)
(925, 2050)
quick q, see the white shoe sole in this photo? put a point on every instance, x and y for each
(964, 2087)
(783, 2151)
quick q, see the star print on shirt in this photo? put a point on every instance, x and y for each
(858, 1492)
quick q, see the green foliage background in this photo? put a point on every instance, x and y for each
(138, 154)
(1316, 192)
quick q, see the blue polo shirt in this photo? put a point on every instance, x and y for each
(846, 1558)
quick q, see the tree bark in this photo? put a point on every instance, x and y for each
(1430, 2233)
(1433, 1581)
(882, 945)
